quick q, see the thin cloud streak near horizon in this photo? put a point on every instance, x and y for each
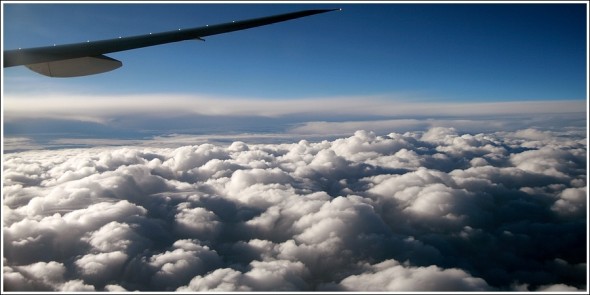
(101, 108)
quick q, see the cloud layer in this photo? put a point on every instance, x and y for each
(102, 108)
(418, 211)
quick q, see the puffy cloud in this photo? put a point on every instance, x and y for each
(390, 275)
(188, 259)
(197, 222)
(572, 202)
(116, 236)
(41, 276)
(550, 161)
(558, 288)
(101, 267)
(76, 286)
(276, 275)
(50, 273)
(31, 236)
(220, 280)
(114, 288)
(440, 210)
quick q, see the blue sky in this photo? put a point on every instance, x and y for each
(452, 51)
(417, 53)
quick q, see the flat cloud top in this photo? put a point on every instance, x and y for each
(100, 108)
(418, 211)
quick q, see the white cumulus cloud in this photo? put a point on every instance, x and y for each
(434, 210)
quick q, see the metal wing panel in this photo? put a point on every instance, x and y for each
(75, 67)
(97, 48)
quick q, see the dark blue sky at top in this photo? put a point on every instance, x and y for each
(457, 52)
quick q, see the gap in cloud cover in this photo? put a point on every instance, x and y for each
(112, 118)
(434, 210)
(41, 133)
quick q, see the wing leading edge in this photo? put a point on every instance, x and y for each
(80, 59)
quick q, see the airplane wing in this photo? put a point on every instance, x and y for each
(81, 59)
